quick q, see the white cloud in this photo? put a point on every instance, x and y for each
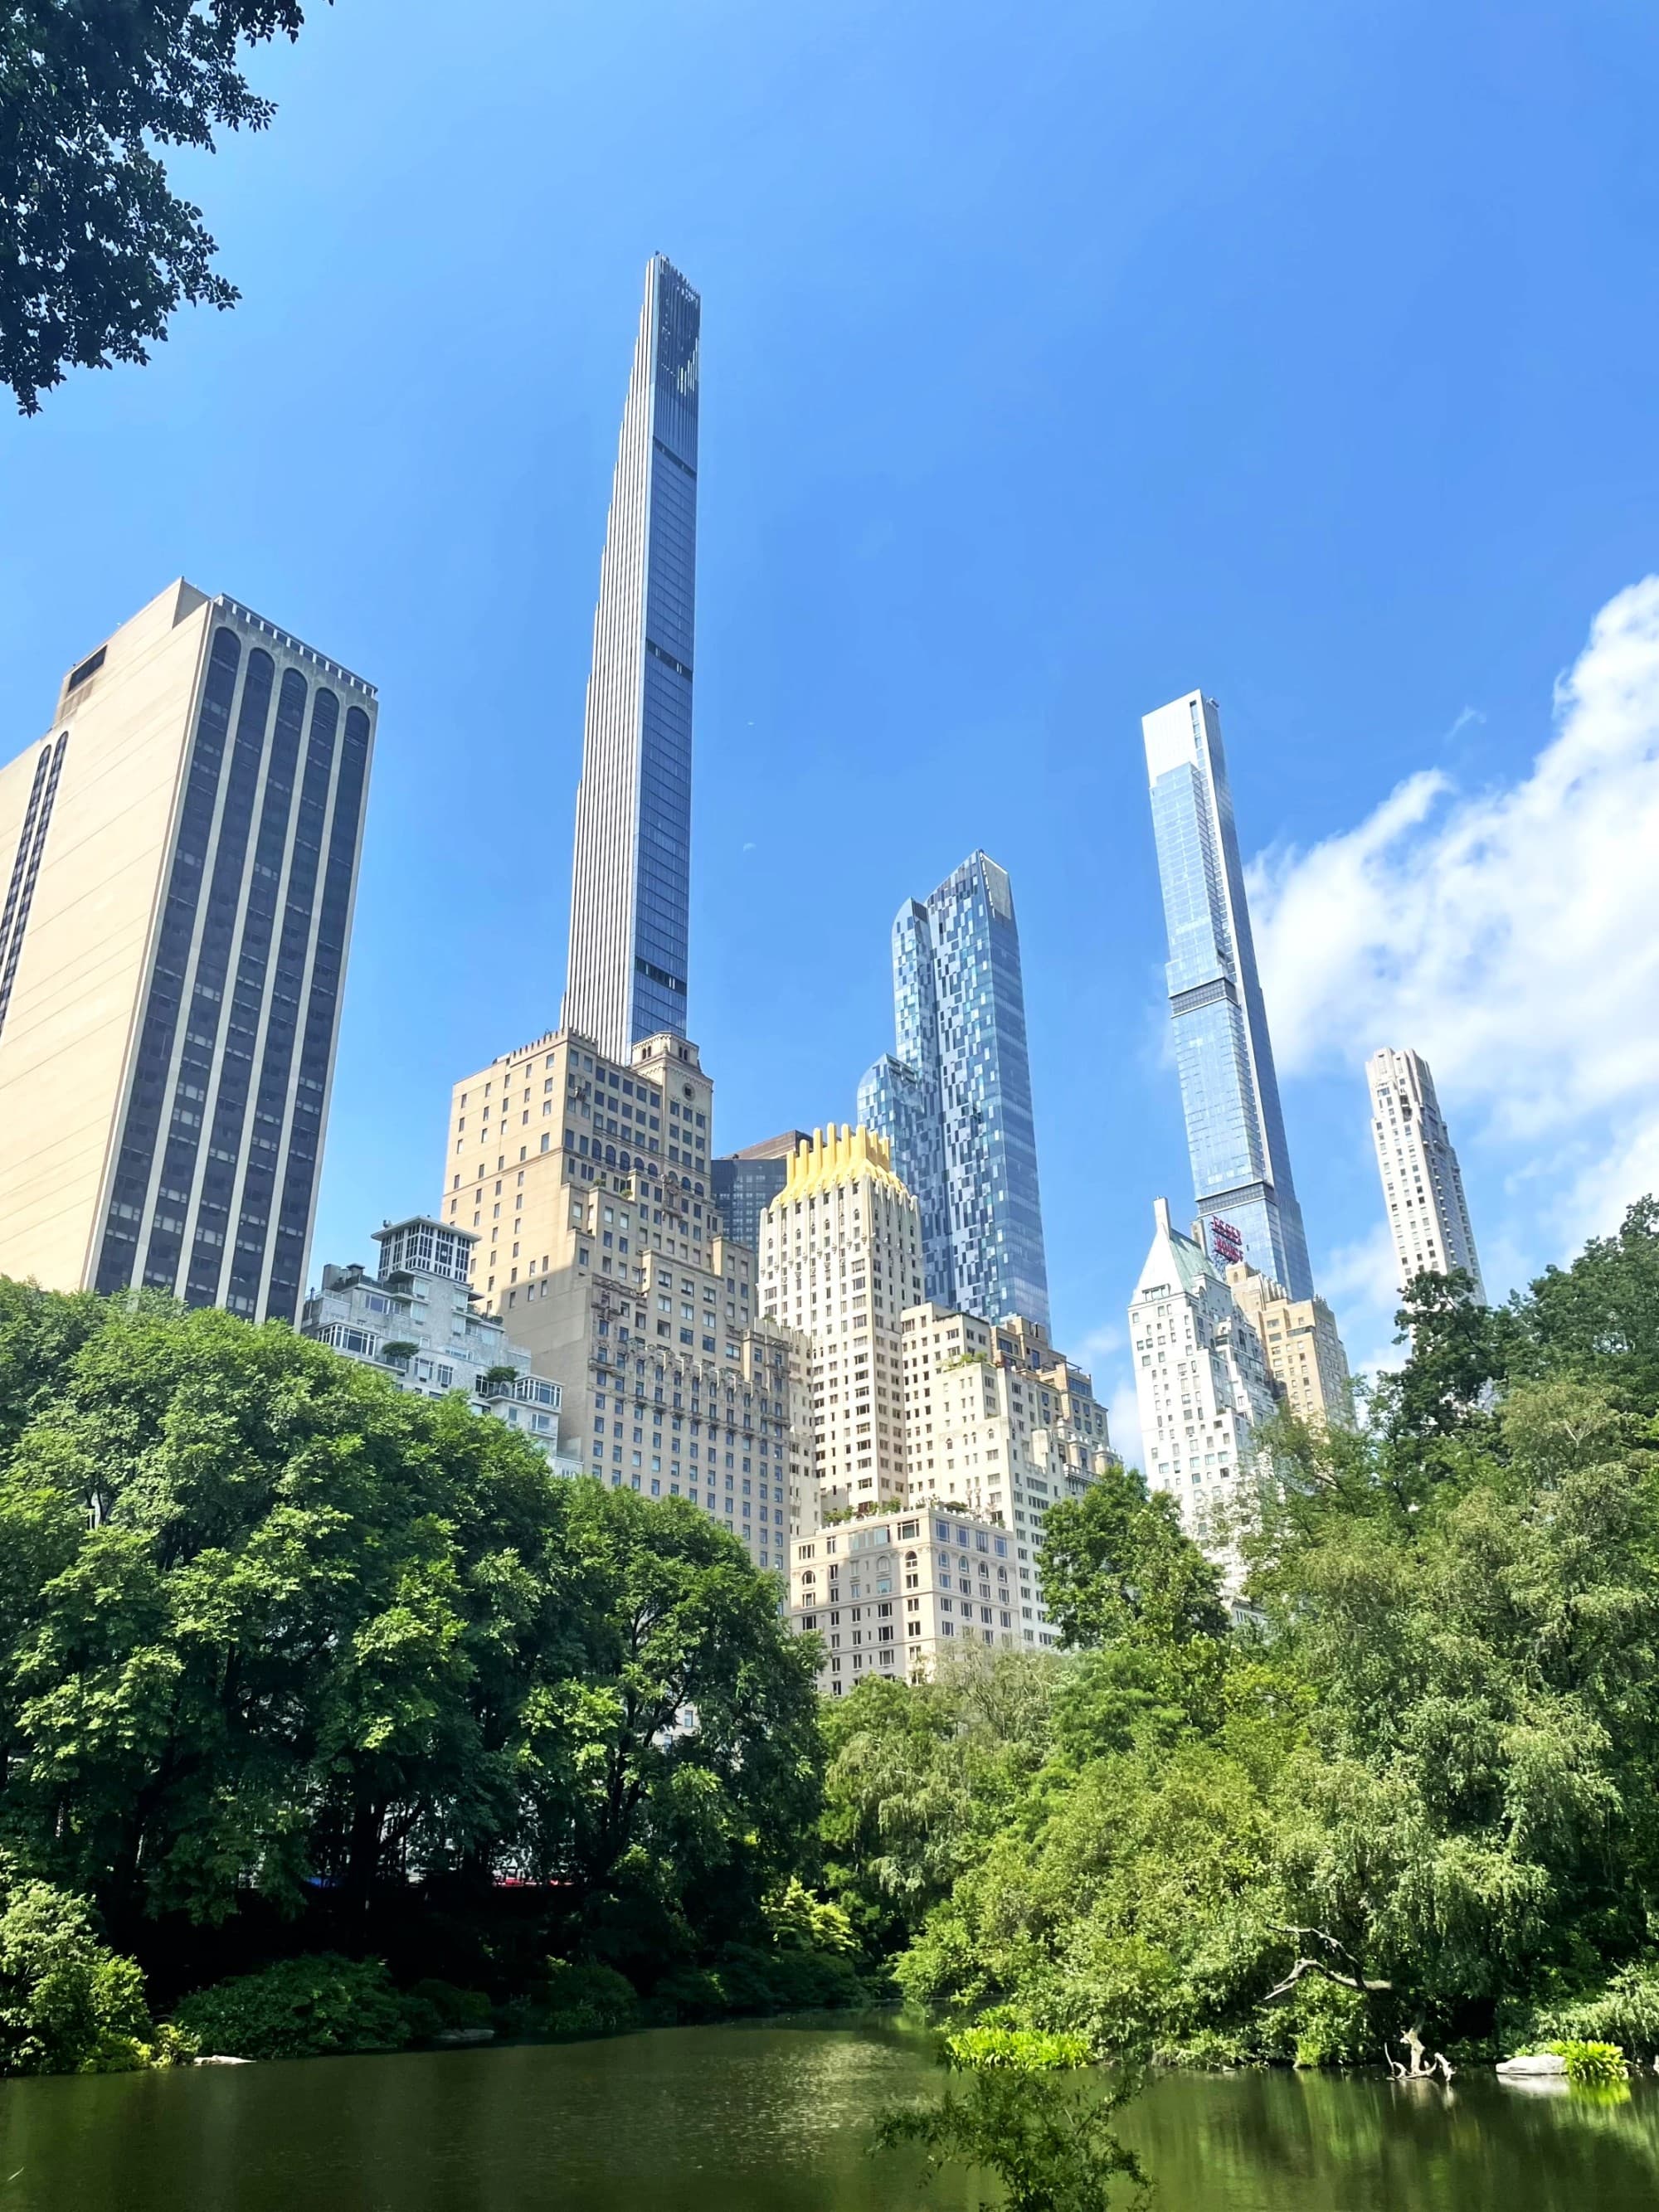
(1100, 1343)
(1123, 1422)
(1359, 1281)
(1510, 936)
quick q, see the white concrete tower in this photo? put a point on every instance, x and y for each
(1422, 1183)
(1201, 1377)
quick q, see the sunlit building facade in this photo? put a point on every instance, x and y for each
(839, 1260)
(181, 856)
(893, 1595)
(1422, 1182)
(585, 1179)
(1203, 1384)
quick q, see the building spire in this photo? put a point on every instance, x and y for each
(631, 887)
(1229, 1088)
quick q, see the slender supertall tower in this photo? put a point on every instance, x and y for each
(631, 880)
(1228, 1091)
(954, 1101)
(1422, 1182)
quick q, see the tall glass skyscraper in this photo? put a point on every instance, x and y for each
(631, 880)
(1228, 1091)
(954, 1101)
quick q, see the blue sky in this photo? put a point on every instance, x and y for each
(1056, 360)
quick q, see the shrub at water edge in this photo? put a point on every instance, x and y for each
(68, 2004)
(577, 1997)
(299, 2008)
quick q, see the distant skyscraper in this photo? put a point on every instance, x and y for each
(631, 887)
(954, 1101)
(181, 852)
(1422, 1183)
(743, 1184)
(1305, 1359)
(1202, 1381)
(1230, 1093)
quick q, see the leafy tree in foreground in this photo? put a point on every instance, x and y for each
(96, 250)
(921, 1774)
(267, 1623)
(1417, 1799)
(677, 1773)
(1458, 1351)
(256, 1601)
(1598, 1319)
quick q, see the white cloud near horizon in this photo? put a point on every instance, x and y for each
(1510, 935)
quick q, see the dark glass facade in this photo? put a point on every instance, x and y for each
(743, 1184)
(954, 1101)
(1241, 1162)
(26, 865)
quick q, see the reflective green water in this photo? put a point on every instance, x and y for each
(766, 2119)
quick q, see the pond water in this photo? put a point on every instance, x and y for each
(769, 2118)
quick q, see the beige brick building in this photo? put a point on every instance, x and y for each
(839, 1260)
(177, 865)
(995, 1419)
(1305, 1359)
(586, 1180)
(890, 1594)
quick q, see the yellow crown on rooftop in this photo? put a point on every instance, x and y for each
(835, 1157)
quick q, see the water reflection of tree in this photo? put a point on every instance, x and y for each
(1302, 2141)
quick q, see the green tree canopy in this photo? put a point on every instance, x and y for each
(96, 249)
(267, 1622)
(1116, 1563)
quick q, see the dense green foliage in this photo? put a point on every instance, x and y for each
(291, 1656)
(299, 1674)
(96, 250)
(299, 2008)
(68, 2005)
(1625, 2010)
(575, 1999)
(1417, 1789)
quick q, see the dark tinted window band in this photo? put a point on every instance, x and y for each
(287, 983)
(322, 1011)
(199, 1052)
(31, 844)
(249, 998)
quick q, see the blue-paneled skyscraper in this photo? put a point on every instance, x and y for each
(631, 880)
(1229, 1092)
(955, 1100)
